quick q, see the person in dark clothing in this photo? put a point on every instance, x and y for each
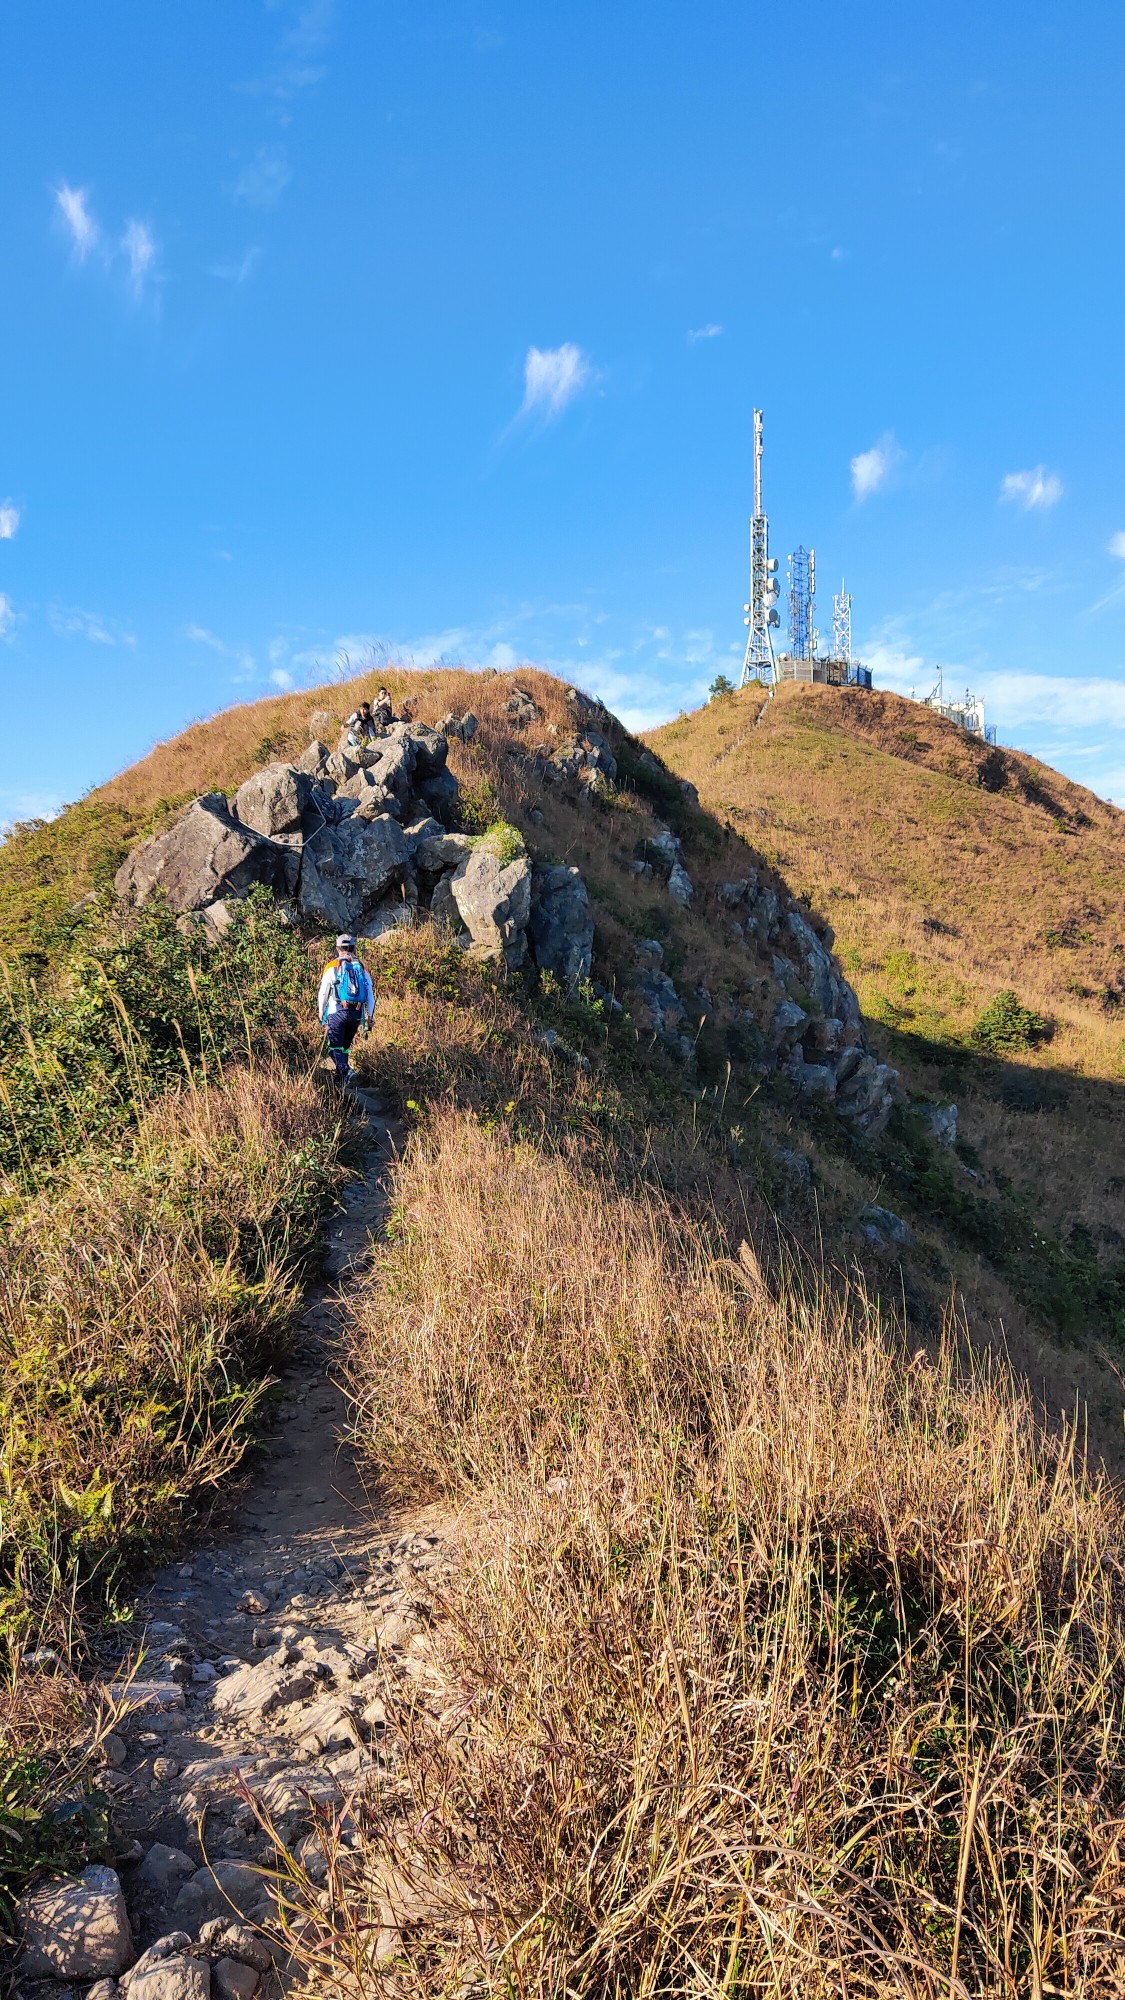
(384, 713)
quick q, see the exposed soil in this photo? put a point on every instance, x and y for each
(275, 1655)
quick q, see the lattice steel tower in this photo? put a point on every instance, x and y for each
(802, 600)
(760, 613)
(842, 625)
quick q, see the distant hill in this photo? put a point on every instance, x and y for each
(949, 869)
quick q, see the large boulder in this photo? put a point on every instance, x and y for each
(205, 856)
(74, 1929)
(347, 869)
(561, 925)
(274, 800)
(493, 900)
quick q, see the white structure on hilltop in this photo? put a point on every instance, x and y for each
(968, 714)
(842, 625)
(761, 613)
(803, 661)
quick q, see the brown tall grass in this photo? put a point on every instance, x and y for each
(791, 1662)
(142, 1305)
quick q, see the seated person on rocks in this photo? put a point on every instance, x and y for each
(346, 1002)
(362, 728)
(384, 709)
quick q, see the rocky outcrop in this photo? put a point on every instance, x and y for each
(359, 841)
(492, 897)
(204, 856)
(561, 925)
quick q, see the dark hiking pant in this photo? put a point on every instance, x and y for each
(341, 1027)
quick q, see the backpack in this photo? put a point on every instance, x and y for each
(348, 983)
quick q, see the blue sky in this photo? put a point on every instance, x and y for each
(439, 325)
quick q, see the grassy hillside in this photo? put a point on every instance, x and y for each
(949, 870)
(951, 873)
(788, 1654)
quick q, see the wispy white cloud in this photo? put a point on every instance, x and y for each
(202, 637)
(16, 806)
(1035, 488)
(264, 180)
(552, 377)
(9, 520)
(874, 468)
(139, 248)
(237, 274)
(711, 331)
(7, 615)
(1116, 545)
(71, 622)
(281, 677)
(75, 210)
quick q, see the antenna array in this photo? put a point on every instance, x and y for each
(842, 625)
(760, 613)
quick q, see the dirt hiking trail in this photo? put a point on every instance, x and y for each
(274, 1655)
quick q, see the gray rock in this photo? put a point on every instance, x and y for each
(794, 1164)
(814, 1081)
(164, 1869)
(940, 1121)
(167, 1948)
(217, 918)
(469, 726)
(347, 869)
(314, 760)
(442, 850)
(787, 1023)
(225, 1938)
(561, 925)
(322, 722)
(252, 1692)
(765, 914)
(103, 1989)
(443, 909)
(865, 1098)
(521, 708)
(369, 795)
(386, 920)
(341, 766)
(419, 831)
(74, 1929)
(493, 899)
(227, 1890)
(680, 885)
(657, 1006)
(815, 962)
(441, 793)
(231, 1980)
(731, 894)
(173, 1978)
(204, 857)
(884, 1229)
(274, 799)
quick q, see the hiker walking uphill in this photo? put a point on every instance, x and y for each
(346, 1002)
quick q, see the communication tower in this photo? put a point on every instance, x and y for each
(760, 614)
(802, 600)
(842, 625)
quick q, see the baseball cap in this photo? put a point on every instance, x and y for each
(345, 942)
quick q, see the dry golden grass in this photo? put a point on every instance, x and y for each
(142, 1304)
(791, 1663)
(941, 888)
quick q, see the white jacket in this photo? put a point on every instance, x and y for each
(326, 998)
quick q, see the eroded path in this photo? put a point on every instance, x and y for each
(274, 1656)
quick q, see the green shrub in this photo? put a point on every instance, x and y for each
(504, 841)
(1006, 1026)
